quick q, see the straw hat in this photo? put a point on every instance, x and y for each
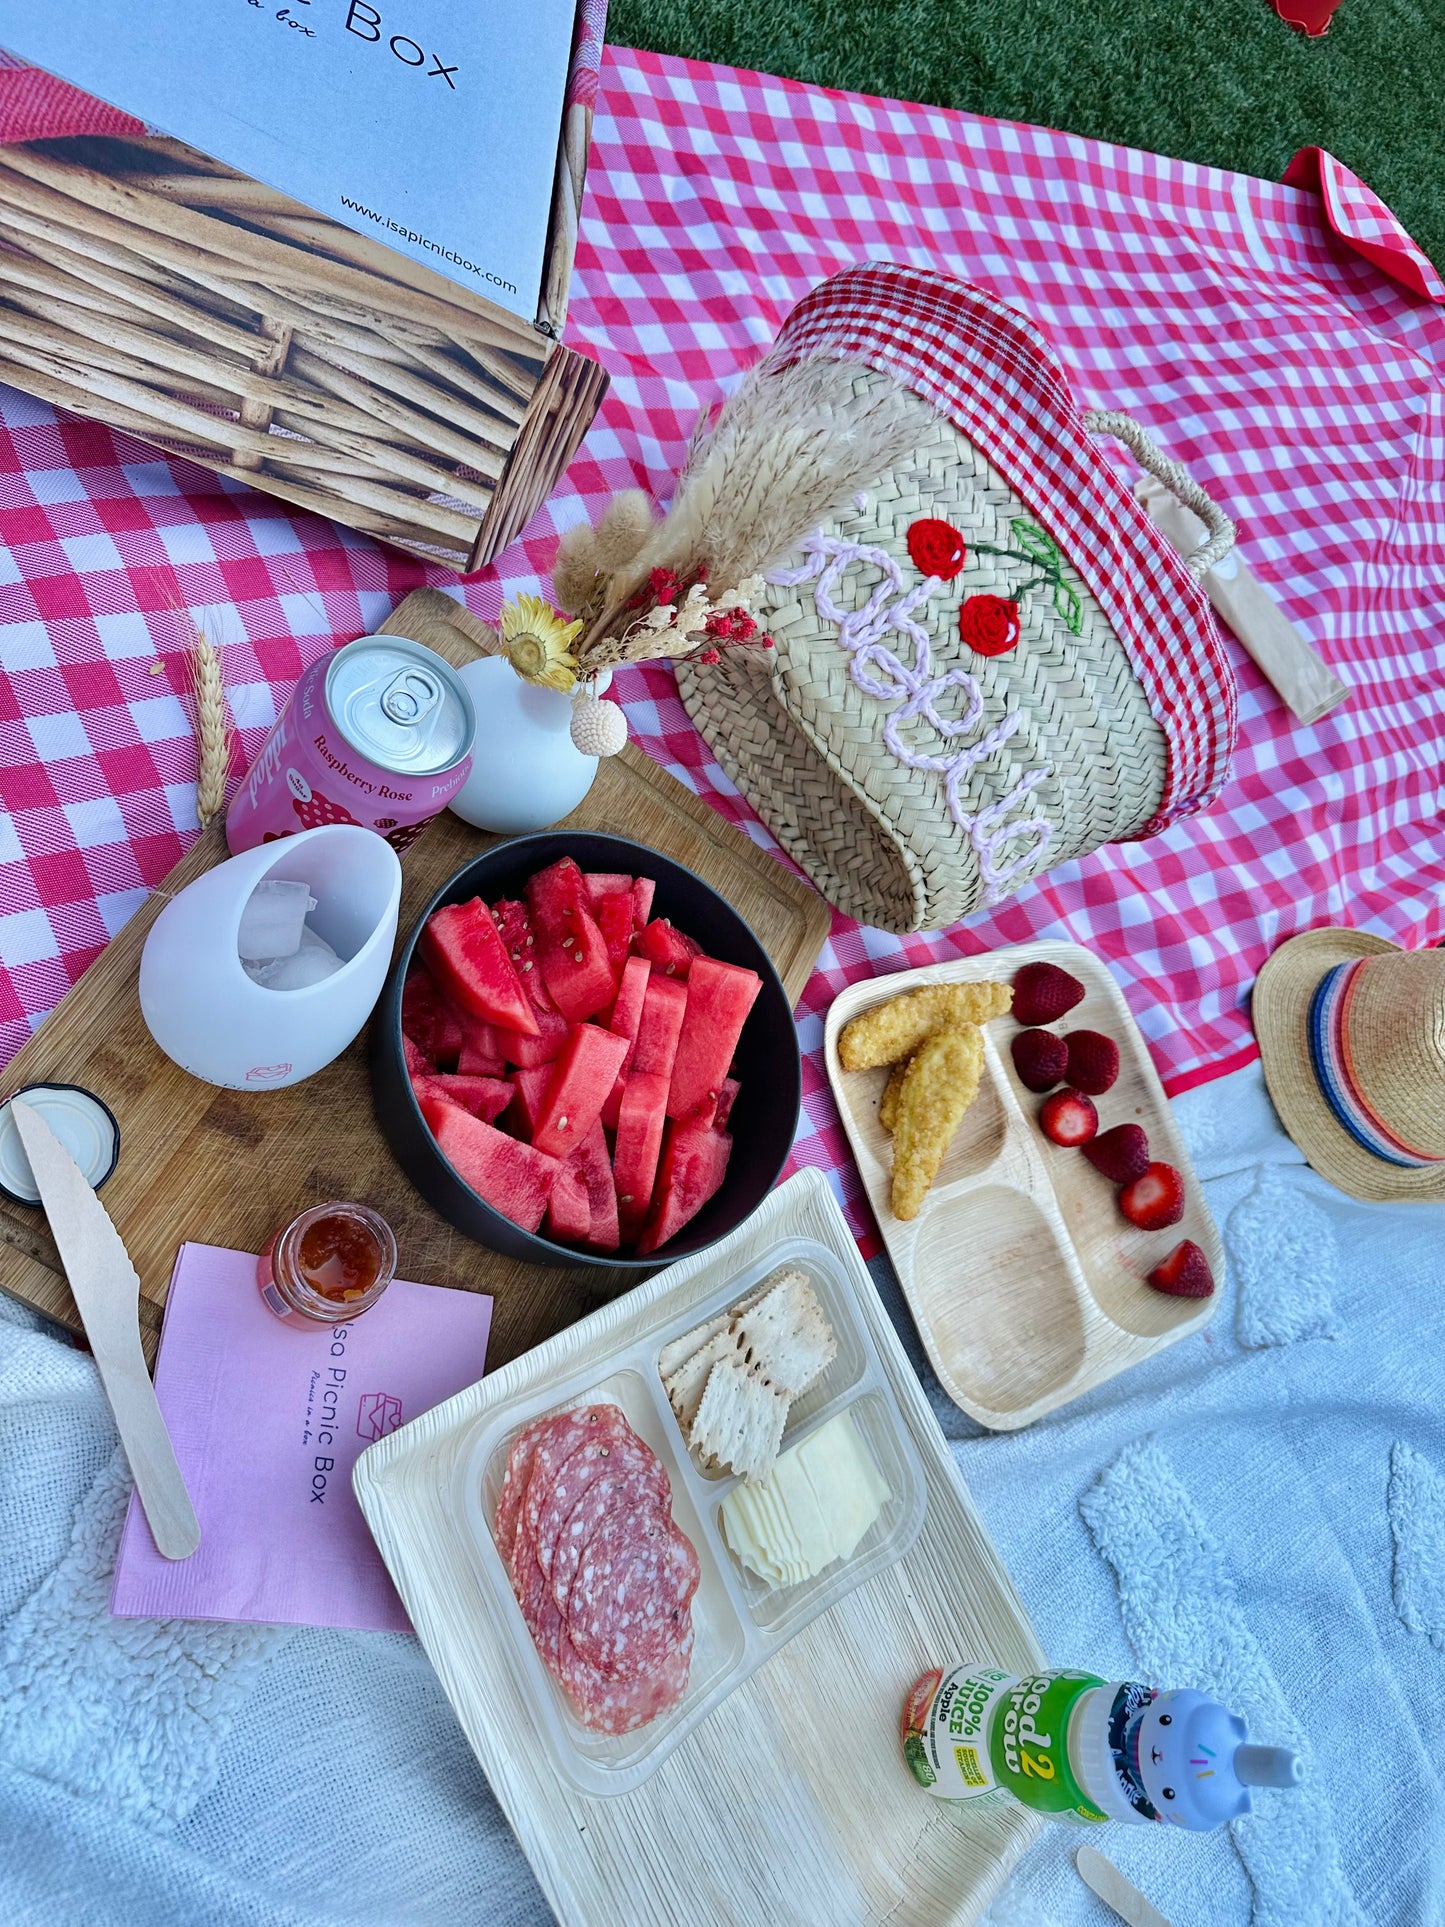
(1352, 1035)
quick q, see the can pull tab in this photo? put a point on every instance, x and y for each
(410, 696)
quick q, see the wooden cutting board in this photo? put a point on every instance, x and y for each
(227, 1167)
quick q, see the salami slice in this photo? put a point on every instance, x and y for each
(622, 1488)
(620, 1706)
(590, 1464)
(565, 1432)
(514, 1484)
(628, 1605)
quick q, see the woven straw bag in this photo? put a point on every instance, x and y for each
(911, 772)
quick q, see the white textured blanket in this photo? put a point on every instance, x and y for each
(1259, 1511)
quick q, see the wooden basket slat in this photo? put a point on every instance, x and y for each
(384, 408)
(383, 385)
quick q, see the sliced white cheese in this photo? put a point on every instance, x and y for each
(814, 1508)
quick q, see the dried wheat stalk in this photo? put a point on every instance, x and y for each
(214, 731)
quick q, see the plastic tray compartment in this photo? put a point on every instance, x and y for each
(739, 1622)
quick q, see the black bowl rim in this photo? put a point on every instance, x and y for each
(568, 1255)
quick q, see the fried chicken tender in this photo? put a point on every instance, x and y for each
(889, 1031)
(888, 1103)
(938, 1087)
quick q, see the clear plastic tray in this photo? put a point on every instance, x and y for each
(740, 1622)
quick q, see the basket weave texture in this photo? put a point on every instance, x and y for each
(803, 739)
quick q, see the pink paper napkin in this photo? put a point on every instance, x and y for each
(267, 1421)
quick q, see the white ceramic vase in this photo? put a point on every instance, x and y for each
(209, 1017)
(526, 772)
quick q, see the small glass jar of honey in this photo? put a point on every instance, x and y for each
(327, 1266)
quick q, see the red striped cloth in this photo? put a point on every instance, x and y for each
(1302, 385)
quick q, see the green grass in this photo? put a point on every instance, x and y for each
(1219, 81)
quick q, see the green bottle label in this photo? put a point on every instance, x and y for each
(1028, 1742)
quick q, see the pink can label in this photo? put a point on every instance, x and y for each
(306, 774)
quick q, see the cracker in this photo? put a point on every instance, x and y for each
(940, 1084)
(678, 1350)
(740, 1421)
(888, 1031)
(785, 1337)
(686, 1385)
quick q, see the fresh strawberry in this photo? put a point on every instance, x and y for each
(1039, 1058)
(1093, 1061)
(1184, 1273)
(1068, 1118)
(1155, 1199)
(1121, 1154)
(1043, 993)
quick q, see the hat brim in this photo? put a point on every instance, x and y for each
(1282, 996)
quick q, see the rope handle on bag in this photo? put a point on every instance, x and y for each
(1150, 457)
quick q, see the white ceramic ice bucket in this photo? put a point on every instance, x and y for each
(206, 1013)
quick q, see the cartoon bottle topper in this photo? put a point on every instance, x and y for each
(1191, 1758)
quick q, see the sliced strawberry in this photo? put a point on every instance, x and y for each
(1184, 1273)
(1121, 1154)
(1068, 1117)
(1154, 1200)
(1043, 993)
(1040, 1059)
(1093, 1061)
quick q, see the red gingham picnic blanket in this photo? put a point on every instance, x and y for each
(1299, 378)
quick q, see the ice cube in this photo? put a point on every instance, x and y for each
(313, 962)
(272, 920)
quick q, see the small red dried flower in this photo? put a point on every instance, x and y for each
(710, 656)
(989, 624)
(664, 585)
(936, 548)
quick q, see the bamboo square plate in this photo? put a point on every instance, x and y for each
(1025, 1279)
(787, 1799)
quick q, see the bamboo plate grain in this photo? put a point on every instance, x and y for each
(1024, 1278)
(791, 1802)
(226, 1167)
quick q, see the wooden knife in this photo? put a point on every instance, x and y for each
(1115, 1891)
(107, 1292)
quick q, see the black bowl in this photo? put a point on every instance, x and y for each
(769, 1067)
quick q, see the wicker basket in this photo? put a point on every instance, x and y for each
(147, 286)
(913, 777)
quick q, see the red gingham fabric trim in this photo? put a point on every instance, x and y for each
(1363, 222)
(981, 363)
(35, 105)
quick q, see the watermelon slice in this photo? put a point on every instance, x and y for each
(427, 1019)
(591, 1159)
(614, 920)
(569, 1209)
(540, 1048)
(484, 1097)
(418, 1064)
(584, 1074)
(719, 997)
(640, 1121)
(602, 884)
(643, 891)
(694, 1164)
(716, 1108)
(481, 1053)
(570, 947)
(670, 951)
(514, 926)
(529, 1088)
(625, 1017)
(663, 1009)
(513, 1178)
(466, 955)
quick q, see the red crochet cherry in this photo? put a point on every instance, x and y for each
(936, 548)
(989, 624)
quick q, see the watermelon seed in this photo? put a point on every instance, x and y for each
(528, 964)
(561, 1123)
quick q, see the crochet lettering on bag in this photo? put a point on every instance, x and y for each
(915, 692)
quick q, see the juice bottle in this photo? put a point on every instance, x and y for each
(1085, 1749)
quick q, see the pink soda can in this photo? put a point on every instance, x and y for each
(379, 734)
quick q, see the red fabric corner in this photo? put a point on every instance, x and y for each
(1310, 16)
(1363, 222)
(36, 106)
